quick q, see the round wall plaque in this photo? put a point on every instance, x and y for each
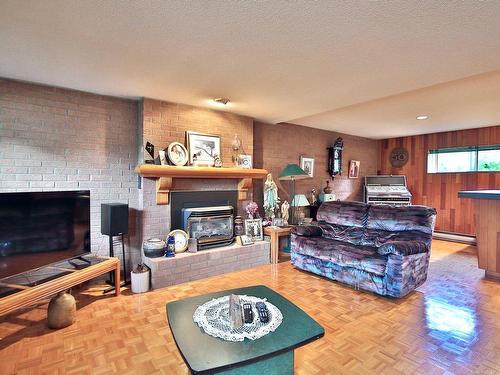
(399, 157)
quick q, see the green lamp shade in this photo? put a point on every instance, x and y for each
(300, 200)
(293, 172)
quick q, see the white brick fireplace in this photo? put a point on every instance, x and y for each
(156, 222)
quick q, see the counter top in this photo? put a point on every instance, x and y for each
(480, 194)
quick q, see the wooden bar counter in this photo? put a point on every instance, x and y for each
(487, 215)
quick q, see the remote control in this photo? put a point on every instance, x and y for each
(262, 309)
(247, 313)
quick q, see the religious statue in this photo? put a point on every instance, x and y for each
(270, 197)
(313, 197)
(284, 211)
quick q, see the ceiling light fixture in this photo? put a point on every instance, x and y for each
(422, 117)
(222, 101)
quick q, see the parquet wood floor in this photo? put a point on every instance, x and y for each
(451, 325)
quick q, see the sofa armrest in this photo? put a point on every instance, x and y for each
(307, 231)
(403, 248)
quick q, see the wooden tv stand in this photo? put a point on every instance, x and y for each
(28, 295)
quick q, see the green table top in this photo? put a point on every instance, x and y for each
(204, 353)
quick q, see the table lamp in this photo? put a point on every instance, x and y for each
(291, 173)
(299, 200)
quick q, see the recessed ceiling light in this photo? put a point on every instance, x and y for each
(222, 101)
(422, 117)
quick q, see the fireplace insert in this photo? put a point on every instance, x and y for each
(211, 226)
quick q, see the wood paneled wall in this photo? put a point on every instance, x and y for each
(440, 190)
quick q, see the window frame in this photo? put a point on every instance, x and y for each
(475, 149)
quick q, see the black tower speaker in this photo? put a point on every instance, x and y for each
(114, 222)
(114, 218)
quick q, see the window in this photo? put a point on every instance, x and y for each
(464, 159)
(488, 159)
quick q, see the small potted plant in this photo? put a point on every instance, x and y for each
(140, 278)
(252, 210)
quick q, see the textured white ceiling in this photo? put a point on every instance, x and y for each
(277, 61)
(462, 104)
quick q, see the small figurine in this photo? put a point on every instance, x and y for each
(217, 161)
(284, 212)
(170, 247)
(313, 197)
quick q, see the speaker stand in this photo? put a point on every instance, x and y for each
(111, 280)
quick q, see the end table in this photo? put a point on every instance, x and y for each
(275, 233)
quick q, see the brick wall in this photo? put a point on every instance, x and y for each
(57, 139)
(275, 146)
(165, 122)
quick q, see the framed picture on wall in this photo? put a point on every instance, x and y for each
(307, 164)
(204, 149)
(354, 168)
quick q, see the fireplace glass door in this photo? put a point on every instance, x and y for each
(211, 230)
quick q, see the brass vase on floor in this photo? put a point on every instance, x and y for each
(62, 311)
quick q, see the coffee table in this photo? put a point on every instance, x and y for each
(271, 354)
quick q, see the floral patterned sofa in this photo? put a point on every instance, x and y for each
(381, 249)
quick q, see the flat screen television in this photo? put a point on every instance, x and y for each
(40, 228)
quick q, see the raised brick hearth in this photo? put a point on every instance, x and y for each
(192, 266)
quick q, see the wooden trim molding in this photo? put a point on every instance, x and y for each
(165, 174)
(163, 187)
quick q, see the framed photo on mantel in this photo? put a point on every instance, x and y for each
(253, 229)
(203, 149)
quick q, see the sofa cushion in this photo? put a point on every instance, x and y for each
(398, 219)
(343, 213)
(403, 248)
(344, 233)
(307, 230)
(377, 237)
(344, 254)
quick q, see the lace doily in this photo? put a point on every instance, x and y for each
(213, 318)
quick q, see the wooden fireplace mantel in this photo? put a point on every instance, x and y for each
(165, 174)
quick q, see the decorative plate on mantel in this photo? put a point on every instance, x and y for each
(177, 154)
(180, 239)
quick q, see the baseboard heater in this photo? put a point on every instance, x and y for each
(454, 237)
